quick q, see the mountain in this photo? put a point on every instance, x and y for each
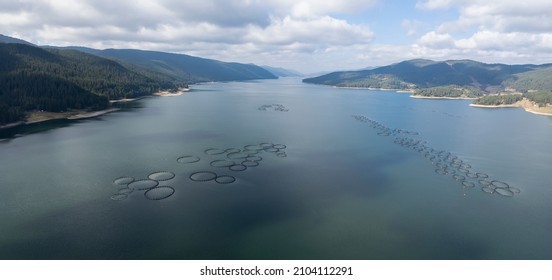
(57, 80)
(535, 80)
(185, 68)
(282, 72)
(11, 40)
(416, 74)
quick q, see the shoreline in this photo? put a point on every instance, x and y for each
(38, 117)
(379, 89)
(92, 114)
(527, 105)
(180, 91)
(128, 99)
(442, 97)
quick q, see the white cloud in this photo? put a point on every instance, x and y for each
(413, 27)
(302, 34)
(437, 40)
(434, 4)
(504, 31)
(209, 27)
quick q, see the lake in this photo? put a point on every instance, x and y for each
(278, 169)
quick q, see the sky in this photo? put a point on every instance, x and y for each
(309, 36)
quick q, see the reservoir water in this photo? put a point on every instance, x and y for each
(280, 170)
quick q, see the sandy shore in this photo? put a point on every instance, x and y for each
(14, 124)
(36, 117)
(168, 93)
(128, 99)
(92, 114)
(527, 105)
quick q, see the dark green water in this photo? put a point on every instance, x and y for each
(340, 191)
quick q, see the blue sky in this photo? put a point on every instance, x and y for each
(305, 35)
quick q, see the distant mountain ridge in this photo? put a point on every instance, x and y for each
(11, 40)
(186, 68)
(58, 79)
(282, 72)
(422, 74)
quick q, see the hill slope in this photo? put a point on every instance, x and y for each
(185, 68)
(33, 78)
(420, 74)
(11, 40)
(282, 72)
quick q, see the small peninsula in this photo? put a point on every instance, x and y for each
(489, 85)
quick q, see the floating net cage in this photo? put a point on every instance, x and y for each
(159, 193)
(251, 152)
(273, 107)
(446, 162)
(499, 184)
(504, 192)
(123, 181)
(481, 175)
(142, 185)
(485, 183)
(254, 158)
(248, 163)
(225, 179)
(126, 191)
(237, 155)
(222, 163)
(188, 159)
(458, 177)
(237, 167)
(252, 148)
(161, 176)
(203, 176)
(232, 158)
(214, 151)
(266, 145)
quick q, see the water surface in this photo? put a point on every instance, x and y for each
(340, 192)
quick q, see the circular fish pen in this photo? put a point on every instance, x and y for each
(237, 167)
(214, 151)
(188, 159)
(126, 191)
(237, 155)
(203, 176)
(159, 193)
(248, 163)
(161, 176)
(123, 181)
(225, 179)
(254, 158)
(222, 163)
(143, 185)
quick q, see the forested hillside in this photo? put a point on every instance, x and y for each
(426, 76)
(59, 79)
(184, 68)
(33, 78)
